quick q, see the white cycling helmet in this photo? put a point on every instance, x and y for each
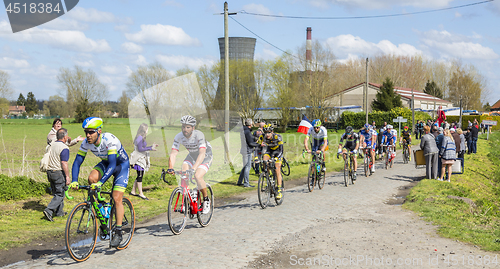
(189, 120)
(389, 126)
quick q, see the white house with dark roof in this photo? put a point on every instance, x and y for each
(353, 96)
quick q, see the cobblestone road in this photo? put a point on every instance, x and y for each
(243, 234)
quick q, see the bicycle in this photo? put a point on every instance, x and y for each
(348, 167)
(81, 227)
(316, 173)
(367, 161)
(389, 158)
(406, 152)
(267, 184)
(184, 202)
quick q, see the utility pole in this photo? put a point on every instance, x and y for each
(366, 92)
(412, 111)
(226, 84)
(460, 121)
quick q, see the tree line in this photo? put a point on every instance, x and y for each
(281, 82)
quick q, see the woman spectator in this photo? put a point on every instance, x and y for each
(139, 159)
(468, 139)
(447, 154)
(428, 145)
(56, 125)
(462, 143)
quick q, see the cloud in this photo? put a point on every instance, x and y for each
(266, 54)
(10, 63)
(259, 8)
(65, 24)
(88, 63)
(162, 35)
(456, 46)
(91, 15)
(380, 4)
(140, 60)
(130, 47)
(68, 40)
(41, 71)
(348, 45)
(180, 61)
(112, 70)
(173, 3)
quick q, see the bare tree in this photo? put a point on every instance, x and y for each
(148, 78)
(5, 88)
(83, 89)
(281, 91)
(466, 84)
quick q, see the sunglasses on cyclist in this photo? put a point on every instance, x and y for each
(90, 132)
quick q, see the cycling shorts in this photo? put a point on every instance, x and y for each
(371, 144)
(407, 140)
(275, 153)
(120, 174)
(317, 144)
(350, 145)
(205, 164)
(391, 141)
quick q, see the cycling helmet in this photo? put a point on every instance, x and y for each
(389, 126)
(367, 126)
(189, 120)
(316, 123)
(405, 128)
(92, 123)
(268, 128)
(348, 129)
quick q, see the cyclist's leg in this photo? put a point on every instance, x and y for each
(278, 166)
(121, 176)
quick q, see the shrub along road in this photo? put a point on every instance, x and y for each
(339, 226)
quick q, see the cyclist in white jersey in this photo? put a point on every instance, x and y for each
(199, 158)
(114, 162)
(319, 142)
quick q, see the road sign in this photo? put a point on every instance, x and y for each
(490, 122)
(400, 120)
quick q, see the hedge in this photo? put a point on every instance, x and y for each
(480, 118)
(20, 187)
(357, 120)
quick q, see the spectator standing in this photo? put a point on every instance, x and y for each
(462, 143)
(475, 133)
(469, 124)
(435, 131)
(468, 138)
(456, 140)
(58, 174)
(247, 145)
(139, 159)
(428, 145)
(258, 150)
(56, 125)
(447, 153)
(439, 143)
(374, 127)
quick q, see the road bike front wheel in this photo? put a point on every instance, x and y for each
(177, 211)
(387, 154)
(311, 176)
(366, 164)
(204, 219)
(128, 223)
(264, 190)
(81, 232)
(285, 167)
(346, 172)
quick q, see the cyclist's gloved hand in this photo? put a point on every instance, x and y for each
(74, 185)
(355, 151)
(96, 185)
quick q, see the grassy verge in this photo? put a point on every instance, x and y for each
(474, 221)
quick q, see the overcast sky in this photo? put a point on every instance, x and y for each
(114, 37)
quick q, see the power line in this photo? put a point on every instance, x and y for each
(365, 17)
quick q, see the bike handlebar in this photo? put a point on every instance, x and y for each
(98, 192)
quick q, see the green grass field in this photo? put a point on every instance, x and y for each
(23, 144)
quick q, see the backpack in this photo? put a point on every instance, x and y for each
(44, 162)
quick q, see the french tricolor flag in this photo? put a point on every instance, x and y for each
(304, 125)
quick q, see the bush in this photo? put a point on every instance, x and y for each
(357, 120)
(20, 187)
(467, 118)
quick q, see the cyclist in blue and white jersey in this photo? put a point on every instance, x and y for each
(351, 144)
(319, 142)
(199, 158)
(114, 162)
(369, 137)
(389, 137)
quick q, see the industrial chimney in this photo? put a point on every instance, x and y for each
(308, 50)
